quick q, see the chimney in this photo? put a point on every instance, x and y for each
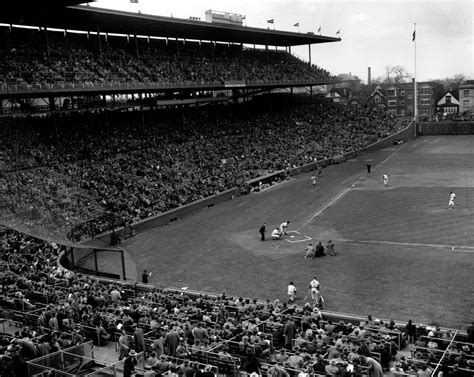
(369, 78)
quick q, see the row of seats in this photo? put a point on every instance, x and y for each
(169, 327)
(29, 59)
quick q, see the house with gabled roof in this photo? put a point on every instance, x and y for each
(337, 95)
(377, 99)
(447, 104)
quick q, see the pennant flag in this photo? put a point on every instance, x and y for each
(338, 32)
(297, 24)
(244, 17)
(414, 35)
(271, 21)
(319, 30)
(134, 1)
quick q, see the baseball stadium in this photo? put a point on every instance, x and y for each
(147, 167)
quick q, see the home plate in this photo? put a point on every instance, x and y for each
(296, 236)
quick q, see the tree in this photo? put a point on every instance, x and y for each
(452, 83)
(394, 74)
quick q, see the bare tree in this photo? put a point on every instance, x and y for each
(452, 83)
(395, 74)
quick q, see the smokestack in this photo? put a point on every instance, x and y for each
(369, 78)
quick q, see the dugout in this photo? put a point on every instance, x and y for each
(104, 262)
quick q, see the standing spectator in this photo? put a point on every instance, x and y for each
(129, 364)
(115, 296)
(145, 276)
(158, 343)
(171, 342)
(289, 332)
(410, 329)
(124, 345)
(139, 339)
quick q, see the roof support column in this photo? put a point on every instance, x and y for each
(136, 45)
(289, 53)
(45, 29)
(309, 54)
(98, 38)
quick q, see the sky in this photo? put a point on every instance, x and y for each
(373, 33)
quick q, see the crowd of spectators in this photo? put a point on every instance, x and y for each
(26, 58)
(56, 309)
(465, 116)
(71, 167)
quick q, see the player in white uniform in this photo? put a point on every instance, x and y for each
(452, 196)
(314, 289)
(385, 179)
(291, 293)
(313, 180)
(276, 235)
(283, 227)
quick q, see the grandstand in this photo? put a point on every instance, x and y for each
(106, 138)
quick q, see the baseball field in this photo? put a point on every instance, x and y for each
(401, 253)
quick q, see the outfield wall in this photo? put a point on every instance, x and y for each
(445, 128)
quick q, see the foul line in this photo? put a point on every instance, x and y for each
(466, 249)
(345, 191)
(326, 206)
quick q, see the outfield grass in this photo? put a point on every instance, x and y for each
(401, 253)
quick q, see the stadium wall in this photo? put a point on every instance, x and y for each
(445, 128)
(168, 217)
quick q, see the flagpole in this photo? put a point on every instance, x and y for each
(415, 96)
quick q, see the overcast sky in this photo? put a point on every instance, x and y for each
(374, 33)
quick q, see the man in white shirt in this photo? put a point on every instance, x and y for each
(314, 289)
(283, 227)
(452, 196)
(291, 293)
(385, 179)
(276, 235)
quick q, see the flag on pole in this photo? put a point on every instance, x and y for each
(134, 1)
(414, 35)
(271, 21)
(297, 24)
(319, 30)
(338, 32)
(244, 17)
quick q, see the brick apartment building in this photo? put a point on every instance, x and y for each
(466, 97)
(398, 98)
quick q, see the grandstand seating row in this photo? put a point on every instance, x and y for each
(29, 58)
(232, 334)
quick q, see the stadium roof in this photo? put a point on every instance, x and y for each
(113, 21)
